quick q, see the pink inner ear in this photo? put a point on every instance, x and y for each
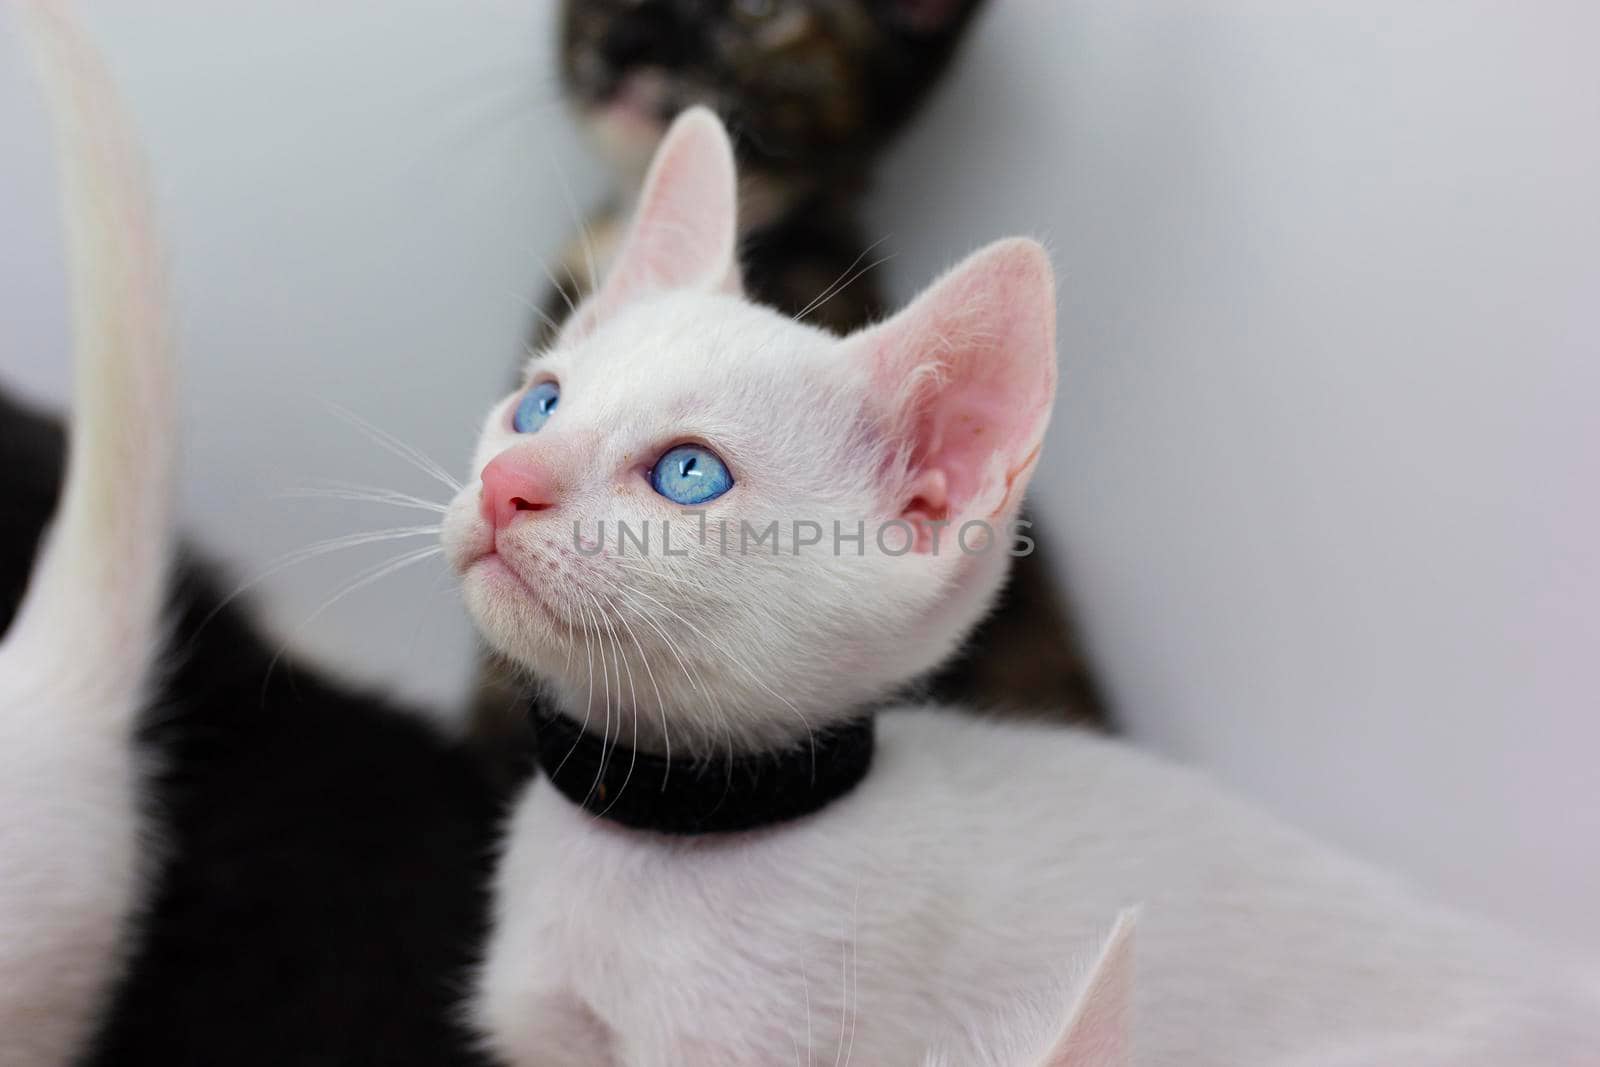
(969, 369)
(684, 231)
(1097, 1034)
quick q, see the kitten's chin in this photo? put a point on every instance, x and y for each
(509, 613)
(627, 126)
(624, 138)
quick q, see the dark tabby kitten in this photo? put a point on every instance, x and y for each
(319, 888)
(812, 90)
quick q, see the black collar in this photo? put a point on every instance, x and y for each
(696, 796)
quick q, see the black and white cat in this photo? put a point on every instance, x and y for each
(202, 860)
(948, 875)
(77, 661)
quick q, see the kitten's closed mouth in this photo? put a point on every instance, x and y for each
(494, 563)
(492, 567)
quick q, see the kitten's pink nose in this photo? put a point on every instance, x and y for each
(513, 482)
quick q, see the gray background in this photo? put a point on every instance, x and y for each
(1324, 468)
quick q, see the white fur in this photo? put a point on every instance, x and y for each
(743, 649)
(948, 887)
(75, 665)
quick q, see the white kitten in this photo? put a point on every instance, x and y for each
(974, 856)
(76, 662)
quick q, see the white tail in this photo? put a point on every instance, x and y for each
(105, 560)
(76, 663)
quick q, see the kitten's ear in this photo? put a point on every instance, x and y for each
(1090, 1028)
(684, 232)
(967, 377)
(1096, 1033)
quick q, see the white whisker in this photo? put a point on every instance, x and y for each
(839, 283)
(544, 316)
(584, 236)
(633, 700)
(588, 700)
(572, 637)
(605, 688)
(806, 988)
(680, 580)
(334, 544)
(311, 551)
(561, 290)
(810, 734)
(366, 494)
(661, 706)
(853, 982)
(361, 581)
(393, 444)
(714, 705)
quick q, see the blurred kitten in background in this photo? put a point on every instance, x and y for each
(813, 91)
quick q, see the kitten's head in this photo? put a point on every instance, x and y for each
(698, 420)
(806, 85)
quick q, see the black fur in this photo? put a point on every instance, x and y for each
(322, 857)
(32, 457)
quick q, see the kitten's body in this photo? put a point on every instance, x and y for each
(202, 861)
(321, 893)
(33, 452)
(76, 662)
(974, 857)
(950, 884)
(317, 857)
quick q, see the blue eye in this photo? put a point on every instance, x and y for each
(535, 407)
(690, 474)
